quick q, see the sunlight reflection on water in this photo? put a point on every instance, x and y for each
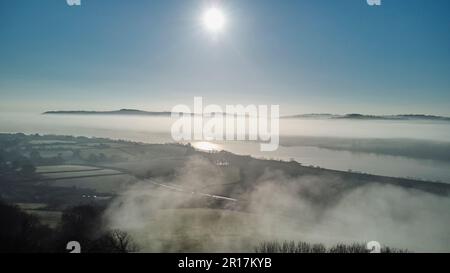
(207, 146)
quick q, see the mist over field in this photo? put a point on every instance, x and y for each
(314, 209)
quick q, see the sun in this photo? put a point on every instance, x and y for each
(214, 20)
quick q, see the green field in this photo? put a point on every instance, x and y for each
(63, 168)
(47, 217)
(103, 181)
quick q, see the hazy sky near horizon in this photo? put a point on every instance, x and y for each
(309, 56)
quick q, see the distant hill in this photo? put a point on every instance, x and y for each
(395, 117)
(116, 112)
(369, 117)
(136, 112)
(131, 112)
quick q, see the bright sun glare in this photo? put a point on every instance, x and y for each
(214, 20)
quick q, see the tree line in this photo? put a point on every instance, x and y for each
(24, 233)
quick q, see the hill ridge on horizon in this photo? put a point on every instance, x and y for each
(128, 111)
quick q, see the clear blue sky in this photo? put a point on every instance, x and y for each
(307, 55)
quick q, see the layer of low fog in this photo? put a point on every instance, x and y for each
(141, 128)
(275, 206)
